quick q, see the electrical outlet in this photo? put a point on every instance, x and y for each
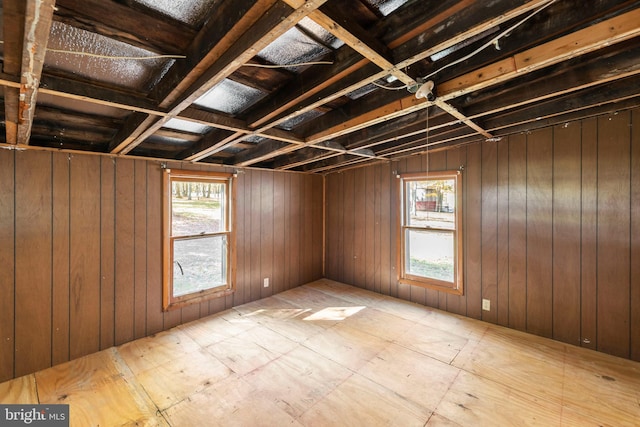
(266, 282)
(486, 304)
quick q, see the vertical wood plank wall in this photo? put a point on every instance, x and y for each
(80, 251)
(551, 225)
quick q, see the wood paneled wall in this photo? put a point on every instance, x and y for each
(551, 227)
(80, 251)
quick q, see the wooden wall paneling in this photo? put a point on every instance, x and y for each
(318, 219)
(295, 224)
(613, 234)
(359, 227)
(140, 249)
(435, 162)
(473, 233)
(279, 208)
(84, 242)
(7, 260)
(60, 259)
(369, 227)
(266, 232)
(33, 268)
(333, 213)
(349, 226)
(566, 233)
(634, 321)
(256, 274)
(539, 232)
(589, 227)
(390, 239)
(402, 290)
(308, 224)
(457, 303)
(378, 226)
(107, 252)
(125, 251)
(489, 221)
(155, 318)
(518, 232)
(502, 300)
(243, 228)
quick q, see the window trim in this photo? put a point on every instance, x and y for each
(169, 302)
(457, 287)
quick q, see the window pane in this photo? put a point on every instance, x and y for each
(430, 254)
(199, 264)
(197, 208)
(431, 203)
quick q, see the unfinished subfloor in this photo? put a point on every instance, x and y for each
(328, 354)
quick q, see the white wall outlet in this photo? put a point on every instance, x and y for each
(266, 282)
(486, 304)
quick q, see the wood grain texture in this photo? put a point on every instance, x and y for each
(589, 227)
(60, 259)
(442, 370)
(296, 223)
(350, 220)
(613, 234)
(84, 241)
(635, 238)
(473, 231)
(107, 252)
(502, 206)
(538, 210)
(456, 159)
(266, 231)
(489, 222)
(33, 267)
(154, 247)
(279, 238)
(370, 228)
(125, 251)
(7, 259)
(566, 233)
(517, 232)
(140, 249)
(359, 228)
(539, 232)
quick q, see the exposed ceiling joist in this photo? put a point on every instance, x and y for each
(611, 31)
(498, 67)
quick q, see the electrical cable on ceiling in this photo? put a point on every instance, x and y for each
(493, 41)
(389, 87)
(300, 64)
(95, 55)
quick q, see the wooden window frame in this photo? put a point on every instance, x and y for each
(170, 302)
(457, 286)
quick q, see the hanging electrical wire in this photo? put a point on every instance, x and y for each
(299, 64)
(491, 42)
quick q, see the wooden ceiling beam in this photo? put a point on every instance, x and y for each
(272, 24)
(13, 15)
(590, 39)
(359, 40)
(564, 48)
(466, 23)
(27, 25)
(120, 22)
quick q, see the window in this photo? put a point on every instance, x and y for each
(431, 230)
(198, 237)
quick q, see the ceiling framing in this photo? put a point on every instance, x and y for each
(312, 86)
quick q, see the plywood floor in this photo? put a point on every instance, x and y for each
(328, 354)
